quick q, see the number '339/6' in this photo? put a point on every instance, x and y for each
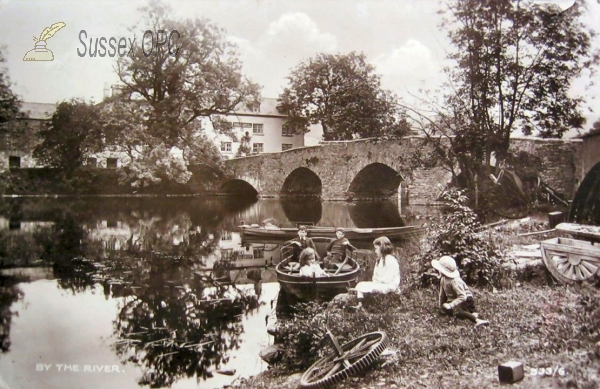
(547, 371)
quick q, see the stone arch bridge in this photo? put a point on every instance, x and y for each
(376, 169)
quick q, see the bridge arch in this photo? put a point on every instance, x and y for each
(238, 187)
(302, 182)
(376, 180)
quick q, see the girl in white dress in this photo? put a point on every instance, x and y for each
(386, 275)
(308, 264)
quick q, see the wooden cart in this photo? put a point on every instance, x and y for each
(570, 260)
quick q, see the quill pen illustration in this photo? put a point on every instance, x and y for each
(50, 31)
(40, 52)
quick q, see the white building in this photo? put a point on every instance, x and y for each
(264, 125)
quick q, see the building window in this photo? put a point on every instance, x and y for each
(112, 163)
(225, 235)
(257, 129)
(286, 146)
(226, 147)
(241, 125)
(91, 162)
(14, 162)
(287, 132)
(257, 148)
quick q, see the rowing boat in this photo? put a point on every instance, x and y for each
(350, 233)
(316, 288)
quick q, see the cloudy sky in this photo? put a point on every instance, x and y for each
(400, 37)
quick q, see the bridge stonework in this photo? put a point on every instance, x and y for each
(341, 165)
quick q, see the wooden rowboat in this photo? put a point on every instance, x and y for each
(350, 233)
(570, 260)
(316, 288)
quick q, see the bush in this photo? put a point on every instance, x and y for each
(457, 235)
(303, 336)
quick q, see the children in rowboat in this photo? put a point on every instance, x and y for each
(309, 266)
(302, 242)
(336, 251)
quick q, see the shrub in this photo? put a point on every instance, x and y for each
(457, 235)
(303, 336)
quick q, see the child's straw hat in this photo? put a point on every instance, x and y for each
(447, 266)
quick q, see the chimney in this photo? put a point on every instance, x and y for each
(106, 91)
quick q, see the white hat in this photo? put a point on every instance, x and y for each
(447, 266)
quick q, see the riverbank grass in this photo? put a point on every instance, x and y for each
(540, 326)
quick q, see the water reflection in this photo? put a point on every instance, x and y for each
(173, 322)
(367, 214)
(9, 294)
(308, 210)
(176, 270)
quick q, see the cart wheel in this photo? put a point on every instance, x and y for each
(570, 267)
(357, 355)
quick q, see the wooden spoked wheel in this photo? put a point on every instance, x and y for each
(579, 263)
(348, 360)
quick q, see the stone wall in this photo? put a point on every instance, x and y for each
(562, 163)
(337, 165)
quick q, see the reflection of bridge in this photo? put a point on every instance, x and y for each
(364, 169)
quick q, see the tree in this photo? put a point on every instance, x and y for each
(341, 93)
(595, 128)
(9, 102)
(73, 133)
(171, 91)
(515, 62)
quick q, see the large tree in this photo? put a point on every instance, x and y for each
(171, 91)
(343, 94)
(515, 62)
(73, 134)
(9, 102)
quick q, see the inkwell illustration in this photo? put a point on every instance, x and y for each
(40, 52)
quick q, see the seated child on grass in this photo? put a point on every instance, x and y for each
(455, 296)
(309, 266)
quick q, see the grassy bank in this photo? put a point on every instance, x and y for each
(538, 325)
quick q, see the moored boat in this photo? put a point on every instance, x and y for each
(329, 232)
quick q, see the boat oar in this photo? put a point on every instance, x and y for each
(341, 266)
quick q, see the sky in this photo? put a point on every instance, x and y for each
(401, 38)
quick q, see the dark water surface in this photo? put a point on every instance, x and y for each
(156, 292)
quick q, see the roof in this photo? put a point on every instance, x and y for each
(40, 111)
(268, 107)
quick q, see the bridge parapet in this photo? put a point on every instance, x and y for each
(372, 168)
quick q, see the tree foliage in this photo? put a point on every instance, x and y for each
(515, 62)
(73, 133)
(9, 102)
(171, 92)
(342, 93)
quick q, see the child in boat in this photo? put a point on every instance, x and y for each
(309, 266)
(302, 242)
(336, 251)
(455, 296)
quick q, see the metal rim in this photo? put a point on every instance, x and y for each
(357, 355)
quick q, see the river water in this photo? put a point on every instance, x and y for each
(129, 292)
